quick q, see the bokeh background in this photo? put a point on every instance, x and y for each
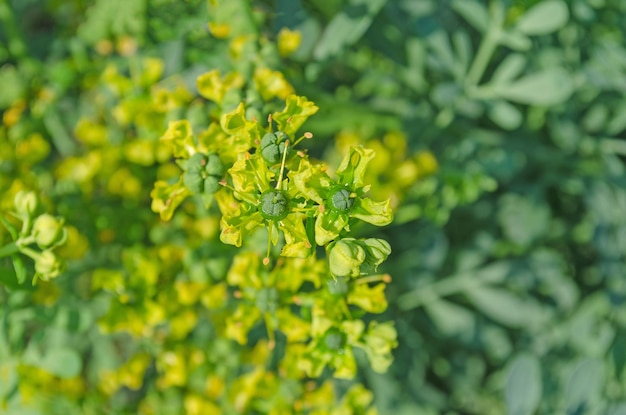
(499, 128)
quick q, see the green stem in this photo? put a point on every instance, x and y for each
(9, 249)
(487, 47)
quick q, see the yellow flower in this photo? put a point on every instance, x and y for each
(197, 405)
(212, 86)
(182, 323)
(90, 133)
(288, 41)
(219, 30)
(271, 84)
(13, 114)
(123, 183)
(172, 368)
(126, 46)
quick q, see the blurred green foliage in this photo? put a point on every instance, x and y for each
(508, 264)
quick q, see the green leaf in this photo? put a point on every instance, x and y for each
(13, 87)
(522, 219)
(505, 115)
(20, 268)
(515, 40)
(62, 362)
(506, 308)
(347, 27)
(585, 385)
(510, 68)
(9, 377)
(8, 278)
(547, 87)
(544, 18)
(618, 409)
(474, 12)
(523, 388)
(451, 319)
(104, 19)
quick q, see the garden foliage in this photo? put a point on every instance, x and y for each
(312, 207)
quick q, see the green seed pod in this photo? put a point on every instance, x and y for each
(338, 287)
(340, 200)
(48, 265)
(273, 146)
(345, 258)
(377, 251)
(211, 185)
(267, 300)
(334, 339)
(48, 231)
(214, 166)
(25, 203)
(197, 162)
(274, 205)
(193, 180)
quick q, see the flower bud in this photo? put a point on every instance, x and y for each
(48, 265)
(48, 231)
(25, 203)
(345, 258)
(377, 251)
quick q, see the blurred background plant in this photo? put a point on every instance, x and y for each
(498, 128)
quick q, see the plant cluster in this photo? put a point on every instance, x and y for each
(195, 250)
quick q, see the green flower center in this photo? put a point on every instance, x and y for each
(341, 201)
(274, 205)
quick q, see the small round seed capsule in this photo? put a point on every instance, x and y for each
(214, 166)
(340, 200)
(274, 205)
(273, 146)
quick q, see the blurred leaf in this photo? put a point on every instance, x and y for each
(12, 85)
(505, 115)
(474, 12)
(618, 354)
(505, 307)
(464, 51)
(618, 409)
(547, 87)
(523, 389)
(451, 319)
(515, 40)
(522, 219)
(8, 376)
(104, 18)
(585, 386)
(443, 56)
(20, 268)
(347, 27)
(544, 18)
(510, 68)
(8, 278)
(62, 362)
